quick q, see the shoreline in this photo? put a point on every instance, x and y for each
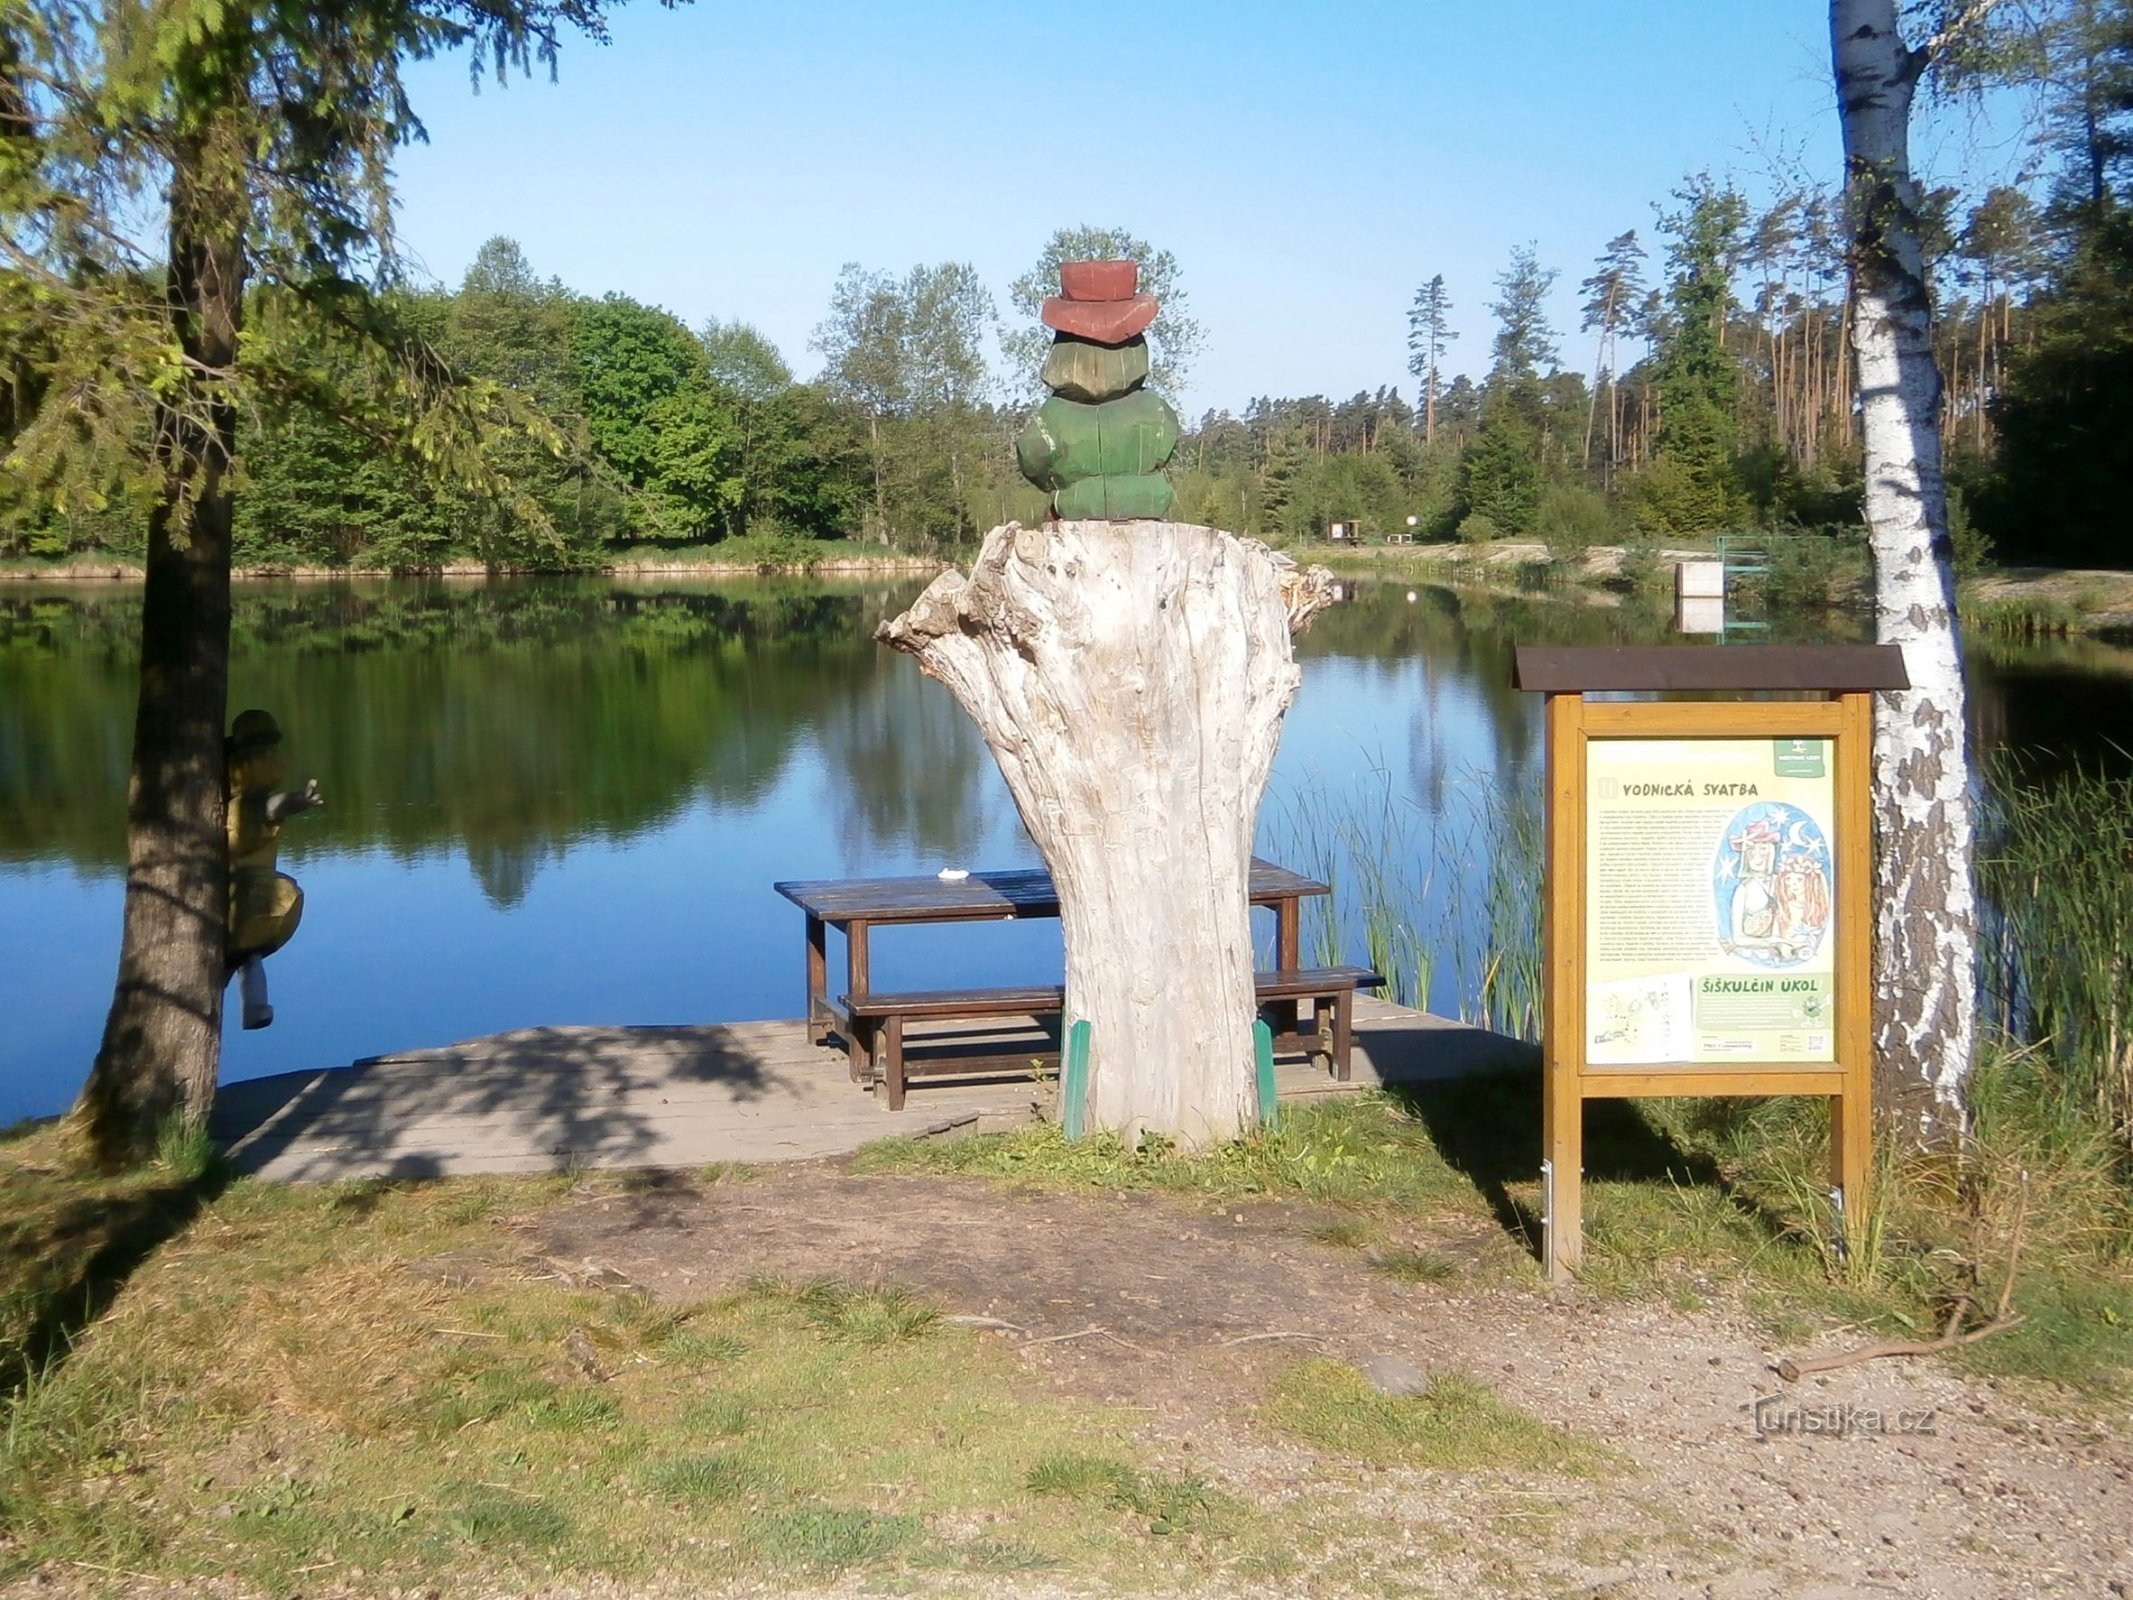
(2068, 601)
(460, 571)
(2077, 602)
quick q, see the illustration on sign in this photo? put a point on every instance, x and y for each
(1772, 885)
(1710, 885)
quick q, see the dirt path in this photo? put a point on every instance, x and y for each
(1169, 1306)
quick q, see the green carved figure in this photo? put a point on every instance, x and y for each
(1099, 445)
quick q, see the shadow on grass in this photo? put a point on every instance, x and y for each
(69, 1253)
(1487, 1128)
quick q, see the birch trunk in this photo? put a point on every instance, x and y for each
(1131, 679)
(1925, 919)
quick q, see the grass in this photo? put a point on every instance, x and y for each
(2022, 618)
(1167, 1504)
(1458, 1425)
(282, 1386)
(69, 1236)
(1347, 1152)
(1415, 1266)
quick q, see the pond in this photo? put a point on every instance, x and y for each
(566, 801)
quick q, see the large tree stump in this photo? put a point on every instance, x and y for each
(1131, 680)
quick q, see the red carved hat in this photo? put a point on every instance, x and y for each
(1097, 301)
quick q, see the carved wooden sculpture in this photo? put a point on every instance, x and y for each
(1098, 446)
(265, 903)
(1131, 676)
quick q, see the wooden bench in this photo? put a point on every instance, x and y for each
(875, 1041)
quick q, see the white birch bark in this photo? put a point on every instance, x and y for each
(1131, 679)
(1925, 999)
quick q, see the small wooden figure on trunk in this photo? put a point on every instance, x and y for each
(265, 903)
(1098, 446)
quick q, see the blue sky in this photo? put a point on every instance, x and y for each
(1309, 165)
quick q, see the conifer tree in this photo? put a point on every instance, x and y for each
(1428, 333)
(160, 159)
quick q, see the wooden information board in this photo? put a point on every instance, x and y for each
(1708, 923)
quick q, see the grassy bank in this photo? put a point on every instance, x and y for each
(363, 1384)
(748, 555)
(389, 1388)
(380, 1388)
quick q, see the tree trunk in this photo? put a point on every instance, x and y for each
(1926, 924)
(881, 500)
(162, 1044)
(1131, 680)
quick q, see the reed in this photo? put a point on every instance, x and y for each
(2024, 619)
(2058, 879)
(1444, 900)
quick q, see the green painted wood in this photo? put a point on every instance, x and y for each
(1067, 441)
(1074, 1084)
(1081, 370)
(1116, 497)
(1263, 1048)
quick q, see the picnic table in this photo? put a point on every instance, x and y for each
(872, 1024)
(858, 905)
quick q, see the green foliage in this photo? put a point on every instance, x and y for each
(906, 356)
(1500, 477)
(1572, 520)
(1815, 569)
(630, 359)
(1694, 485)
(1477, 528)
(196, 126)
(2066, 420)
(1524, 341)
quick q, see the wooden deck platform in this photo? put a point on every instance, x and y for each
(544, 1098)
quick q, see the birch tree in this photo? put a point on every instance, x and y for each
(1925, 997)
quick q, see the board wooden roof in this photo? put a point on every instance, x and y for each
(1830, 668)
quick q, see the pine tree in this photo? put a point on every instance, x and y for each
(1611, 293)
(1428, 333)
(1694, 483)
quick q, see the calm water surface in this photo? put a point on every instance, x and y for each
(565, 802)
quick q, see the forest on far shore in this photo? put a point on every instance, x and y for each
(1708, 389)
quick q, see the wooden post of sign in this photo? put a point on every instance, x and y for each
(1851, 1129)
(1810, 701)
(1563, 944)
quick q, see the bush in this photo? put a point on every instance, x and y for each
(1476, 528)
(1813, 569)
(1972, 544)
(1572, 520)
